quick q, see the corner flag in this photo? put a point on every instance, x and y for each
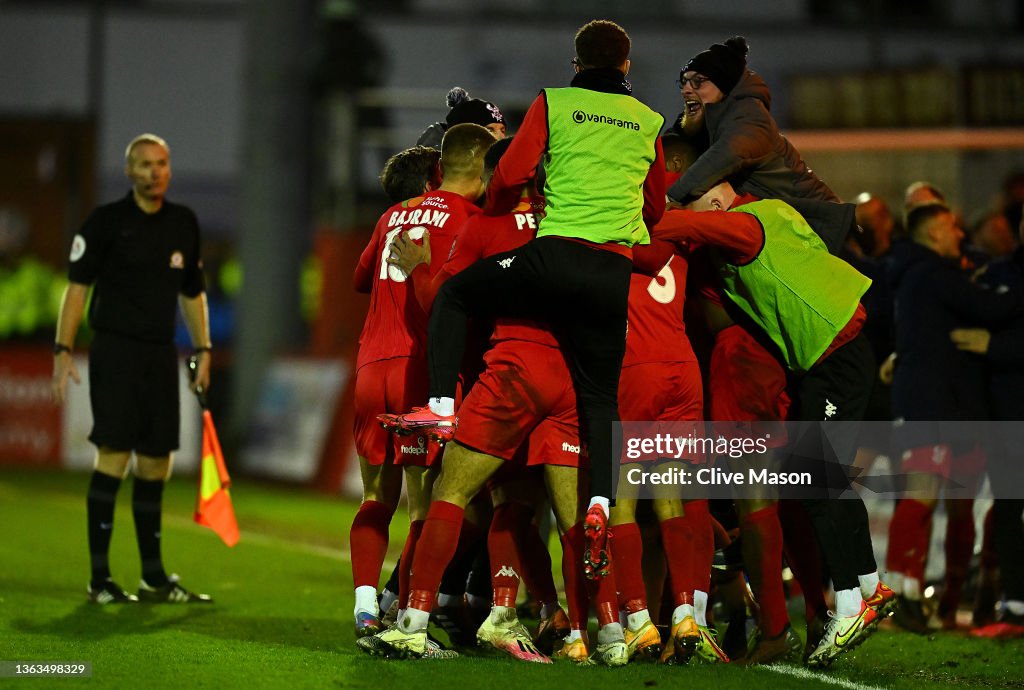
(213, 504)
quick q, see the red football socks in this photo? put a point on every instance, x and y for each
(405, 564)
(801, 548)
(628, 552)
(368, 542)
(680, 554)
(503, 545)
(762, 554)
(698, 521)
(909, 533)
(436, 546)
(536, 561)
(572, 573)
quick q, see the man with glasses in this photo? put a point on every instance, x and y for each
(726, 110)
(726, 117)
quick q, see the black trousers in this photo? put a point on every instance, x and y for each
(838, 390)
(1006, 476)
(582, 293)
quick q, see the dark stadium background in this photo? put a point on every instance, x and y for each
(279, 115)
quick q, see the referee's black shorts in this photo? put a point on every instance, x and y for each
(133, 388)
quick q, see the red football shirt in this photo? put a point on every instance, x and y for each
(396, 324)
(482, 236)
(656, 329)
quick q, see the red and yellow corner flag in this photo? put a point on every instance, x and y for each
(213, 504)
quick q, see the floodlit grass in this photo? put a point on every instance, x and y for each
(283, 610)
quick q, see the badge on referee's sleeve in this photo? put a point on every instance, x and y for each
(77, 248)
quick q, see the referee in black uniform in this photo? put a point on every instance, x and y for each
(141, 255)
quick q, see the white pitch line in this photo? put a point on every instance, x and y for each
(260, 539)
(803, 673)
(250, 537)
(339, 554)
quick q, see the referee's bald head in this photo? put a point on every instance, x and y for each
(145, 138)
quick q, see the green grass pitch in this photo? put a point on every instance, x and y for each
(283, 611)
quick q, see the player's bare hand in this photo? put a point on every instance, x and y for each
(971, 339)
(63, 368)
(407, 254)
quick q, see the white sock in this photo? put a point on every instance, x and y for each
(442, 406)
(700, 607)
(848, 602)
(912, 588)
(502, 614)
(573, 635)
(413, 620)
(868, 584)
(449, 599)
(366, 600)
(895, 581)
(601, 501)
(1015, 606)
(635, 621)
(681, 612)
(387, 598)
(610, 633)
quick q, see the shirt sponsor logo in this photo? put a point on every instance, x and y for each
(570, 448)
(435, 201)
(420, 449)
(177, 260)
(579, 117)
(77, 248)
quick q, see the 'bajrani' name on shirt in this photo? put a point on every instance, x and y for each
(419, 216)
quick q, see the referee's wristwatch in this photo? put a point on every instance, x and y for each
(59, 348)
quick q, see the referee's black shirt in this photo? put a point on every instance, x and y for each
(139, 263)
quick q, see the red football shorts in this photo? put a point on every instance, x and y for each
(939, 460)
(746, 383)
(550, 443)
(661, 391)
(522, 385)
(664, 392)
(556, 442)
(391, 386)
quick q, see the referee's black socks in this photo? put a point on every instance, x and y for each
(100, 516)
(147, 503)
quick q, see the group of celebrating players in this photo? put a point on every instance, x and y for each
(510, 320)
